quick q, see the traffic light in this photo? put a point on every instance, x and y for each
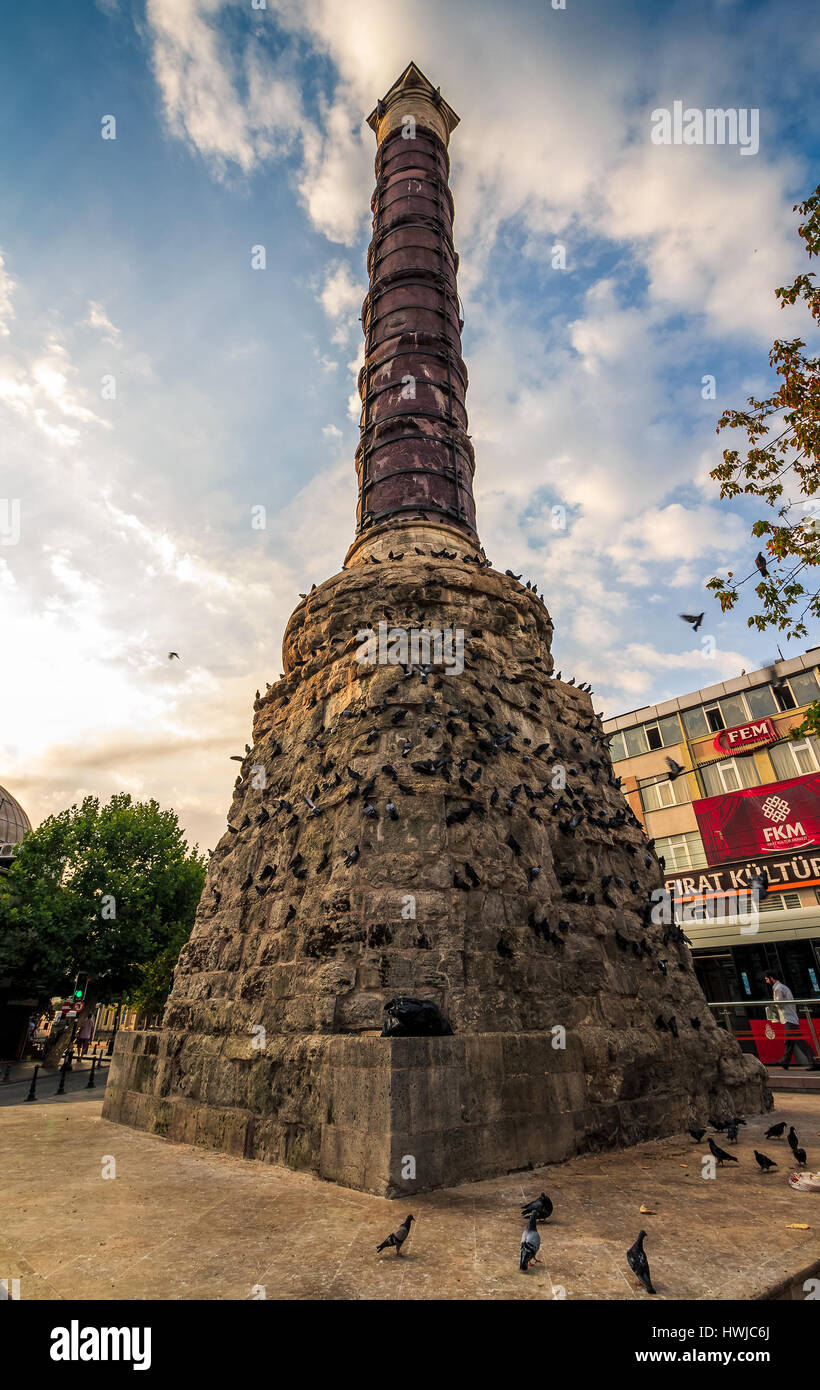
(81, 987)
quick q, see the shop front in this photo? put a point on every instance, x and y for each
(737, 941)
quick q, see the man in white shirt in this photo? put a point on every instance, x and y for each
(781, 994)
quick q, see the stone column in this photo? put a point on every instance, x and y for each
(415, 462)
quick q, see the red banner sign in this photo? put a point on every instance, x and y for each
(775, 819)
(745, 736)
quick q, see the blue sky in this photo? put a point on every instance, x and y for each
(131, 258)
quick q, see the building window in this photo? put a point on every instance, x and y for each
(656, 796)
(635, 740)
(761, 701)
(714, 718)
(804, 687)
(715, 908)
(734, 711)
(794, 759)
(670, 730)
(684, 851)
(729, 775)
(780, 902)
(694, 722)
(617, 748)
(784, 697)
(664, 733)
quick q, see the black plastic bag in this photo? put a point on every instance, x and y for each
(414, 1018)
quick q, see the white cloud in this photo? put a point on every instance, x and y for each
(587, 399)
(7, 287)
(341, 293)
(633, 673)
(98, 318)
(199, 84)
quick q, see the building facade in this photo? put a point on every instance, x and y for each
(14, 823)
(727, 794)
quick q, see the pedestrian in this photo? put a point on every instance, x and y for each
(84, 1035)
(788, 1017)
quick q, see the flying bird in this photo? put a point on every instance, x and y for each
(675, 769)
(397, 1239)
(171, 656)
(530, 1245)
(639, 1264)
(694, 618)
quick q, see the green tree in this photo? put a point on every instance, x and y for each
(810, 723)
(781, 466)
(108, 891)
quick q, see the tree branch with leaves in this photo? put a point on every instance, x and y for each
(782, 469)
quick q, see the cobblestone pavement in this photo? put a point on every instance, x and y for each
(183, 1223)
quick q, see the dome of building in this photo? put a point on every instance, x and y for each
(13, 820)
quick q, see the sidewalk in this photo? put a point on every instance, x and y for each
(183, 1223)
(15, 1090)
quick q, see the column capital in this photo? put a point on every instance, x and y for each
(413, 94)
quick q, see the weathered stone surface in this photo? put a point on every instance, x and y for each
(292, 939)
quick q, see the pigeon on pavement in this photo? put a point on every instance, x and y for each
(639, 1264)
(721, 1154)
(540, 1206)
(397, 1239)
(763, 1162)
(530, 1245)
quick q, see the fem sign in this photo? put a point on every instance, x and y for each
(745, 736)
(781, 817)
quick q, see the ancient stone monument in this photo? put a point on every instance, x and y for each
(447, 828)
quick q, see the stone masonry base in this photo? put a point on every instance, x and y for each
(394, 1116)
